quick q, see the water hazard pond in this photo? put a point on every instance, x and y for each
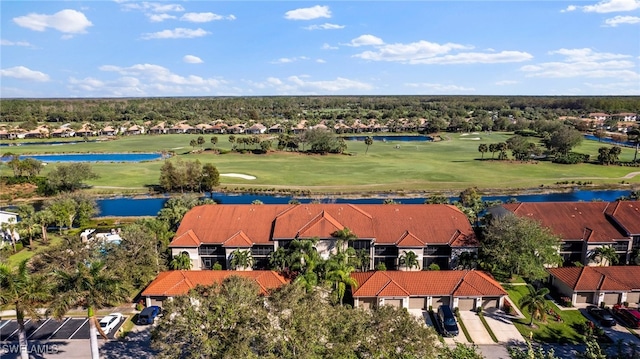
(93, 157)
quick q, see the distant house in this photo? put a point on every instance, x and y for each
(219, 128)
(625, 116)
(277, 128)
(599, 116)
(8, 134)
(39, 132)
(174, 283)
(7, 235)
(108, 131)
(159, 129)
(435, 233)
(256, 129)
(585, 226)
(182, 128)
(134, 130)
(63, 132)
(465, 289)
(596, 285)
(236, 129)
(204, 128)
(300, 127)
(85, 131)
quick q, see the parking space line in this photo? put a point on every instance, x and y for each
(15, 331)
(5, 323)
(83, 323)
(34, 332)
(60, 327)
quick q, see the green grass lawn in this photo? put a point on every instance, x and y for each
(38, 246)
(550, 331)
(446, 166)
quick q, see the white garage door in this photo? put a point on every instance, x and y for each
(633, 298)
(490, 303)
(466, 303)
(611, 298)
(436, 302)
(393, 302)
(417, 303)
(584, 298)
(367, 303)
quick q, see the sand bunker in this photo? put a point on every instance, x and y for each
(471, 138)
(238, 175)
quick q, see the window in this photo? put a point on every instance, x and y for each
(208, 249)
(573, 246)
(437, 251)
(360, 244)
(261, 250)
(621, 246)
(390, 251)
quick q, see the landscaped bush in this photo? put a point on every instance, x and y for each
(571, 159)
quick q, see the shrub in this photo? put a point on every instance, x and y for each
(381, 266)
(434, 266)
(216, 266)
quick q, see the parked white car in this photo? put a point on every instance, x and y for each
(109, 322)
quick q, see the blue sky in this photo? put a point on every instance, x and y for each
(60, 49)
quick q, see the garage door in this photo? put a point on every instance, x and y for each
(367, 303)
(466, 303)
(436, 302)
(633, 298)
(490, 303)
(584, 298)
(611, 298)
(393, 302)
(417, 303)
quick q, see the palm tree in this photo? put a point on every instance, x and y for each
(409, 260)
(279, 259)
(26, 292)
(214, 141)
(27, 221)
(303, 256)
(180, 262)
(605, 255)
(340, 278)
(91, 286)
(241, 259)
(368, 141)
(634, 137)
(535, 302)
(343, 235)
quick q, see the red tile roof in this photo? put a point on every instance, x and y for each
(174, 283)
(623, 278)
(571, 220)
(426, 283)
(387, 224)
(627, 215)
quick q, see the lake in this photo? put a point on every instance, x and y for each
(93, 157)
(127, 206)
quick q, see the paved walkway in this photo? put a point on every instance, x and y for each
(502, 326)
(475, 327)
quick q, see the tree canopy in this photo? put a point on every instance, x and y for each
(521, 246)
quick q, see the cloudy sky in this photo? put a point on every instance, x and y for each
(59, 49)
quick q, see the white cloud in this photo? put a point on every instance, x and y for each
(615, 21)
(66, 21)
(24, 73)
(425, 52)
(321, 61)
(160, 17)
(616, 88)
(190, 59)
(177, 33)
(366, 40)
(287, 60)
(153, 7)
(325, 26)
(4, 42)
(607, 6)
(205, 17)
(326, 46)
(144, 80)
(440, 88)
(296, 85)
(585, 63)
(506, 83)
(308, 13)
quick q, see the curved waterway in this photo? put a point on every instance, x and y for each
(93, 157)
(128, 207)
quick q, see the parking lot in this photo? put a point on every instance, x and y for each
(51, 329)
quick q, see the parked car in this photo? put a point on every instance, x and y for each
(630, 317)
(447, 321)
(148, 315)
(602, 316)
(108, 323)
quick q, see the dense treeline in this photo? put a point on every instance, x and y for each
(311, 108)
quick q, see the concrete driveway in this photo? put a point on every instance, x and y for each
(460, 338)
(615, 333)
(475, 327)
(502, 326)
